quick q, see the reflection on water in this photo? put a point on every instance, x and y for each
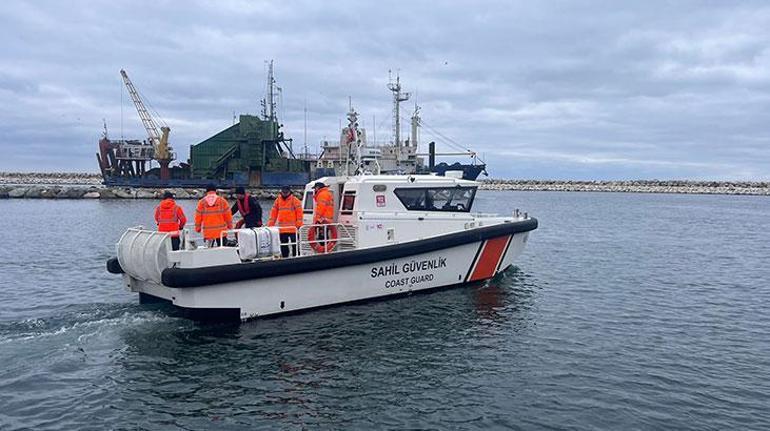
(509, 291)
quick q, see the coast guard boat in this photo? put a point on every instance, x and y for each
(392, 234)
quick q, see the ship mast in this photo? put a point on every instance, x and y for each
(415, 126)
(268, 104)
(398, 97)
(305, 131)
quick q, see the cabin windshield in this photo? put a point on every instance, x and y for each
(454, 199)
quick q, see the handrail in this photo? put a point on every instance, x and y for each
(414, 215)
(346, 239)
(225, 233)
(186, 234)
(438, 215)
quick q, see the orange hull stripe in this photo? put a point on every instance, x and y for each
(490, 258)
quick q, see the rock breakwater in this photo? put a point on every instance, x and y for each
(50, 178)
(63, 185)
(634, 186)
(93, 192)
(59, 185)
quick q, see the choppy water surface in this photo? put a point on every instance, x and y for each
(626, 311)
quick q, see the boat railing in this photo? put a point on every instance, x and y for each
(326, 238)
(190, 239)
(310, 239)
(437, 215)
(485, 215)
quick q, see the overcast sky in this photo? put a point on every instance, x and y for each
(571, 90)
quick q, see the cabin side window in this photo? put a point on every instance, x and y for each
(348, 201)
(307, 208)
(453, 199)
(413, 199)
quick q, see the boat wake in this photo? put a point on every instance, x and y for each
(81, 321)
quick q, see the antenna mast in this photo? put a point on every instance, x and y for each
(415, 126)
(268, 104)
(398, 97)
(305, 132)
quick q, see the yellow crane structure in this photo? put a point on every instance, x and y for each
(162, 151)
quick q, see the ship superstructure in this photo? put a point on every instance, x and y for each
(398, 157)
(355, 155)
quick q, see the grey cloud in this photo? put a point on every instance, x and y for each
(559, 89)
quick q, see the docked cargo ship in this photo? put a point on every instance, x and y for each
(251, 152)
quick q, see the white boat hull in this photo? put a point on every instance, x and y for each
(284, 293)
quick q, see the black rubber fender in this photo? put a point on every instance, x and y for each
(113, 266)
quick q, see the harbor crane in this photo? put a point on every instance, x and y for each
(162, 151)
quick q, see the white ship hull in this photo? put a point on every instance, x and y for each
(389, 235)
(267, 292)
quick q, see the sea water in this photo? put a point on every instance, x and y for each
(626, 311)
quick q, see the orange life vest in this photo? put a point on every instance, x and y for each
(324, 206)
(286, 214)
(212, 216)
(170, 217)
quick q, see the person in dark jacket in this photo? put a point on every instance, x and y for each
(248, 206)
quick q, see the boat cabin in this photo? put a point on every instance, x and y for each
(397, 208)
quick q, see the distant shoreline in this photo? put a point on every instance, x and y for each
(63, 185)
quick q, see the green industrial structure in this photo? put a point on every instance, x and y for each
(252, 151)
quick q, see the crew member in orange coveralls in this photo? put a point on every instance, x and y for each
(324, 204)
(323, 213)
(213, 216)
(170, 218)
(287, 215)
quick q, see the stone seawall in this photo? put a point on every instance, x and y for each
(634, 186)
(58, 185)
(93, 192)
(50, 178)
(88, 186)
